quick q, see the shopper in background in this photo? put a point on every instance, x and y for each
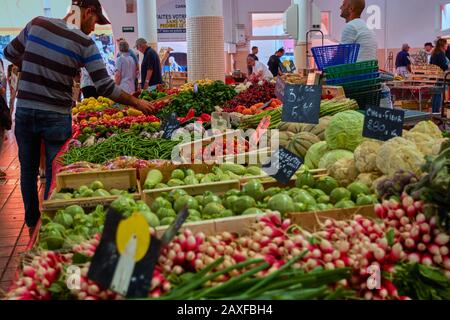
(439, 58)
(151, 73)
(131, 52)
(403, 61)
(356, 30)
(44, 51)
(126, 69)
(13, 81)
(260, 70)
(275, 63)
(3, 79)
(424, 55)
(134, 56)
(447, 53)
(253, 55)
(5, 122)
(4, 109)
(87, 85)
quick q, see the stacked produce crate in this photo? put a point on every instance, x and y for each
(361, 81)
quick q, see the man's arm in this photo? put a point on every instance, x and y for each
(147, 79)
(16, 48)
(118, 76)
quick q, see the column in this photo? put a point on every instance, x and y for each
(205, 39)
(148, 22)
(303, 23)
(47, 8)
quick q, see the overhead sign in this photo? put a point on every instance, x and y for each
(172, 21)
(128, 29)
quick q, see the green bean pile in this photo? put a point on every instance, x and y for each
(122, 144)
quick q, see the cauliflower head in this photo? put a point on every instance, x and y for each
(368, 178)
(344, 171)
(424, 142)
(366, 156)
(429, 128)
(393, 157)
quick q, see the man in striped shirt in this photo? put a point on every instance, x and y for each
(50, 53)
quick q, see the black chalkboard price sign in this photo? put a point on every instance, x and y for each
(383, 124)
(283, 165)
(301, 103)
(170, 126)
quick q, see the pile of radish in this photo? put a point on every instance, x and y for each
(402, 234)
(48, 276)
(419, 236)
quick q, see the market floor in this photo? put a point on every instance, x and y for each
(14, 237)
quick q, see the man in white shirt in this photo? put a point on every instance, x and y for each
(356, 30)
(259, 69)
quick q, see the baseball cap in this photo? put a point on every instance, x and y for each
(102, 20)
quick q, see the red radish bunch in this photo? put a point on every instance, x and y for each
(37, 277)
(90, 290)
(419, 236)
(88, 247)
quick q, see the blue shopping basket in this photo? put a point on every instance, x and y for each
(328, 56)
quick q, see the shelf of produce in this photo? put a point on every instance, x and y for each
(124, 179)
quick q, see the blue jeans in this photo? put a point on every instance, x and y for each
(437, 102)
(33, 127)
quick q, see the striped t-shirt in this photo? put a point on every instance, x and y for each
(51, 53)
(356, 31)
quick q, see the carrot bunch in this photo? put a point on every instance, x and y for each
(255, 109)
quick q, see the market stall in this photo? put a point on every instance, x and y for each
(339, 207)
(416, 90)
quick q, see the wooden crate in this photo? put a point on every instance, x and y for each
(194, 190)
(269, 182)
(334, 91)
(426, 69)
(113, 179)
(310, 220)
(260, 156)
(167, 169)
(238, 224)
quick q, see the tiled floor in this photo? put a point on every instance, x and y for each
(14, 236)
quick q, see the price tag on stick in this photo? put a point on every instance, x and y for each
(126, 256)
(283, 165)
(170, 126)
(175, 227)
(383, 124)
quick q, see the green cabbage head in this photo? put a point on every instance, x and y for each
(345, 131)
